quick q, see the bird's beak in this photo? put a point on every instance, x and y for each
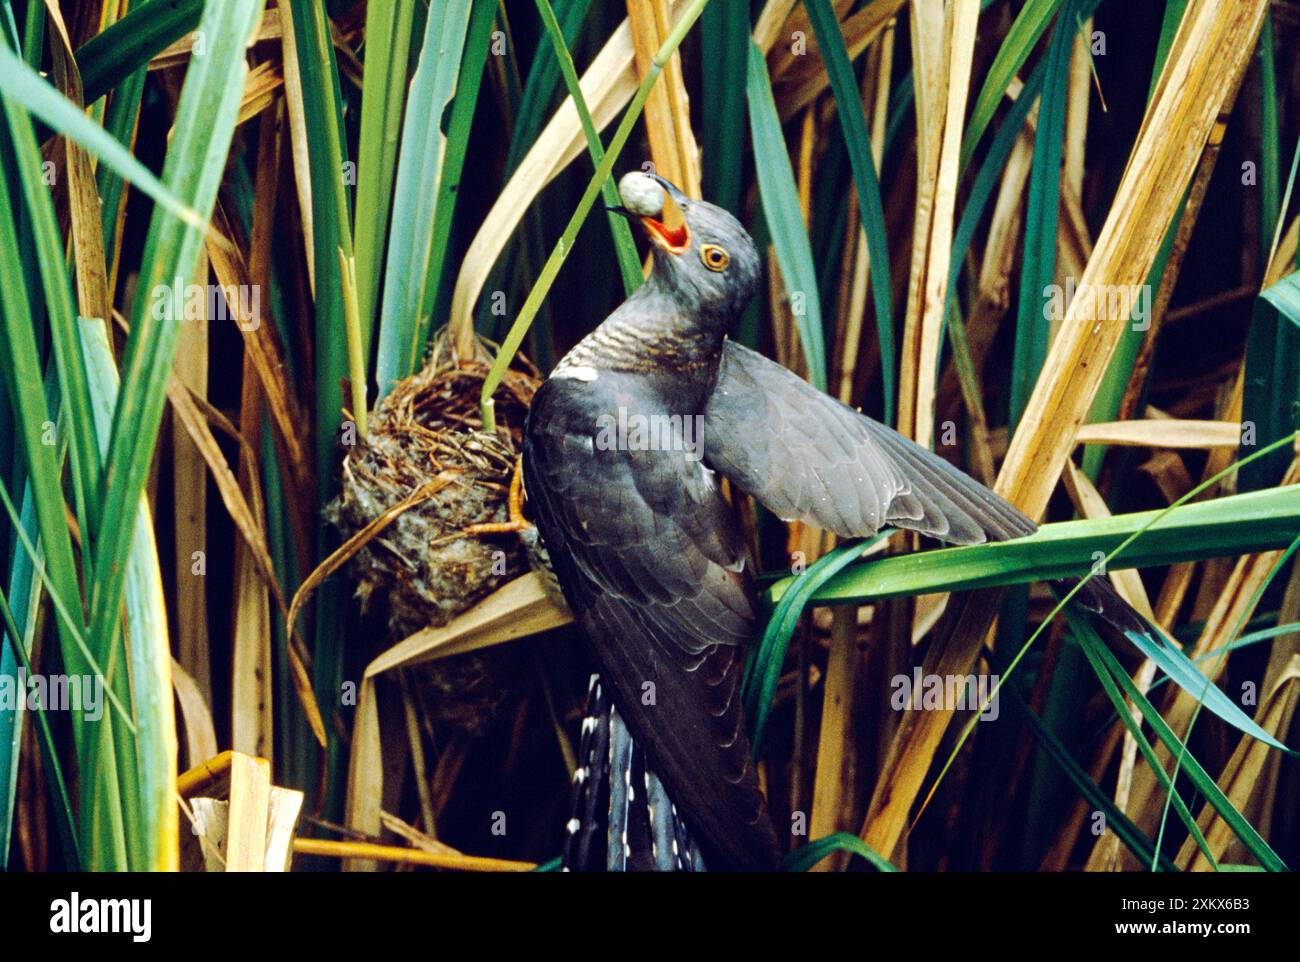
(672, 240)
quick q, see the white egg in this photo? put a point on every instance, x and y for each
(641, 194)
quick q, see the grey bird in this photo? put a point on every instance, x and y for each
(622, 450)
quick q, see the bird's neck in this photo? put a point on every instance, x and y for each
(650, 333)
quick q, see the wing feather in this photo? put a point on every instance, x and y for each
(649, 558)
(805, 455)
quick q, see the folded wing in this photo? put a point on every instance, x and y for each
(647, 553)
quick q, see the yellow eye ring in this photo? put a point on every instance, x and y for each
(714, 257)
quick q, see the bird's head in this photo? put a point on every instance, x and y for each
(709, 262)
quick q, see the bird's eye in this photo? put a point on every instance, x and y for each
(714, 257)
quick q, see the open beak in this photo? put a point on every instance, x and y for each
(674, 240)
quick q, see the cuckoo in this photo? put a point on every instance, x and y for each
(623, 449)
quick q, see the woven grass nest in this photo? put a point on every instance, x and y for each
(425, 445)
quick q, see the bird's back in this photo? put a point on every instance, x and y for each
(651, 561)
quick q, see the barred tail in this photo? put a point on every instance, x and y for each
(621, 818)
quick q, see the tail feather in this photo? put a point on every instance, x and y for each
(673, 850)
(590, 784)
(622, 795)
(621, 817)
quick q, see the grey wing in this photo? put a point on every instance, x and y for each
(805, 455)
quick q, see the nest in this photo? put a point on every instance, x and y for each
(425, 444)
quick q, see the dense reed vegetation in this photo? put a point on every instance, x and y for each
(1055, 240)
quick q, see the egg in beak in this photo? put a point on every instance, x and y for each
(647, 196)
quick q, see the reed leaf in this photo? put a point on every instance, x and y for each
(193, 169)
(1019, 43)
(724, 32)
(11, 733)
(388, 40)
(437, 294)
(629, 264)
(1093, 648)
(563, 247)
(780, 198)
(110, 56)
(849, 111)
(1038, 268)
(419, 173)
(1242, 523)
(328, 217)
(763, 670)
(1106, 664)
(543, 80)
(152, 839)
(1270, 405)
(1130, 835)
(806, 856)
